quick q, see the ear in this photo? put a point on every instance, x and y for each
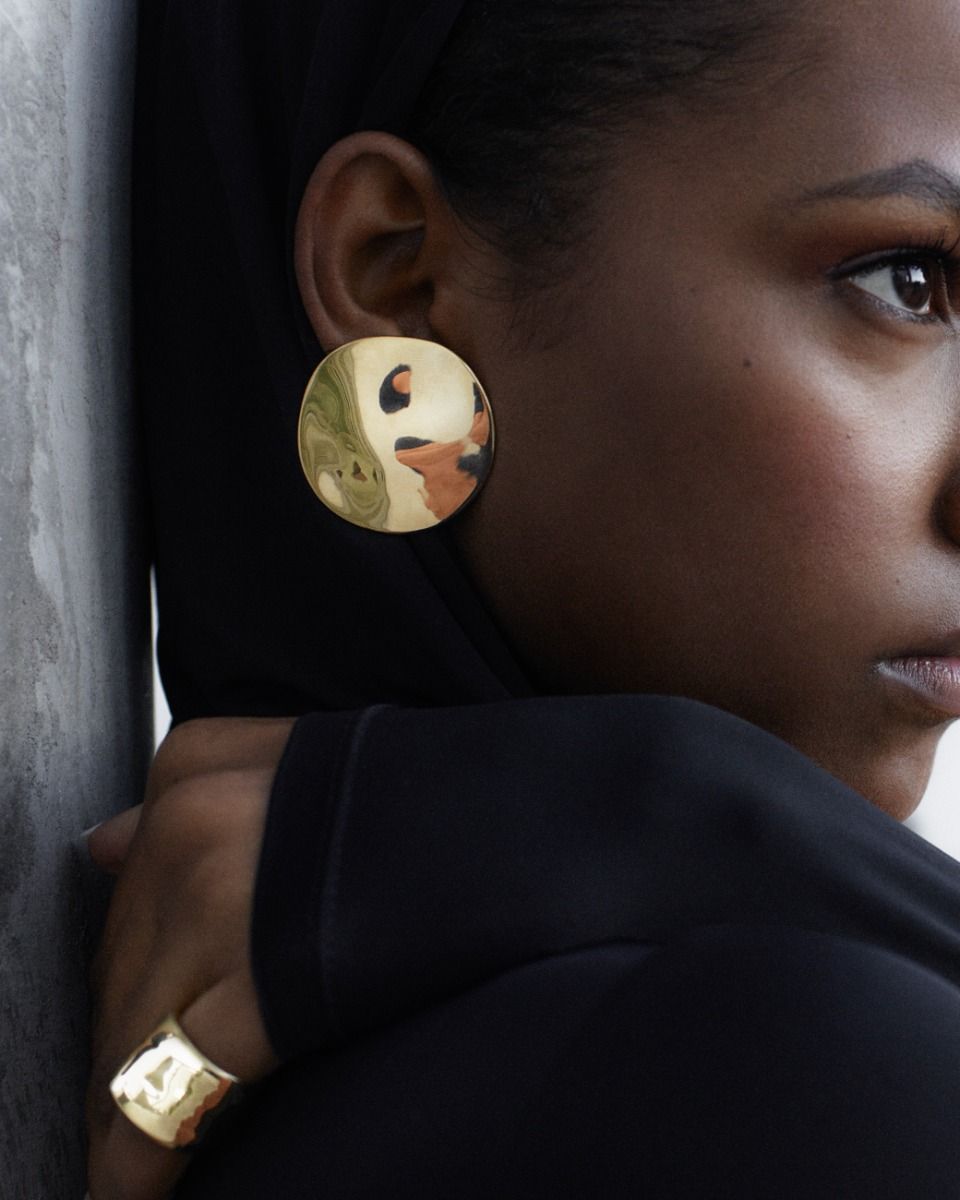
(375, 241)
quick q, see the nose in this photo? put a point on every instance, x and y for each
(948, 509)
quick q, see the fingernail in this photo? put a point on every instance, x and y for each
(82, 844)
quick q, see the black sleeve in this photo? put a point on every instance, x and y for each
(412, 853)
(734, 1063)
(746, 1062)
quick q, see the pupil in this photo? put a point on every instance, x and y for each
(912, 286)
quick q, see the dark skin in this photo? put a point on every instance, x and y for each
(731, 471)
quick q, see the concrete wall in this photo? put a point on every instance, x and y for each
(74, 681)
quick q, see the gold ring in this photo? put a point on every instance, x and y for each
(170, 1090)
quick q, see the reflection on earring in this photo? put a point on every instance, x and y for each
(395, 434)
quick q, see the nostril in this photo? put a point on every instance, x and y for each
(358, 472)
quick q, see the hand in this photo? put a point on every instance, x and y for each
(176, 939)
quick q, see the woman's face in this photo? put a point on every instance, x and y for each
(729, 468)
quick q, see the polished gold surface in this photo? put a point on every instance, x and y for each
(169, 1089)
(395, 434)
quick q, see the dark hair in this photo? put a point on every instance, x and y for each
(518, 113)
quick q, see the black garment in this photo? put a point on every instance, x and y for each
(607, 947)
(742, 1064)
(618, 947)
(268, 603)
(423, 865)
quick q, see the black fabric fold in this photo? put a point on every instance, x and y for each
(461, 843)
(287, 931)
(736, 1063)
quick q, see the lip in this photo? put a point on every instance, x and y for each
(933, 679)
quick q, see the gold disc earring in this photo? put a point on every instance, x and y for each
(395, 433)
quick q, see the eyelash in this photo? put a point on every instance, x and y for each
(938, 258)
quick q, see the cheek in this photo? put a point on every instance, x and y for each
(762, 482)
(748, 506)
(755, 435)
(720, 492)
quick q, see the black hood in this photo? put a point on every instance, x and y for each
(268, 603)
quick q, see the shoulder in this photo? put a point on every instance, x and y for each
(770, 1062)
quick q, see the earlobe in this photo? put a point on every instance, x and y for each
(364, 238)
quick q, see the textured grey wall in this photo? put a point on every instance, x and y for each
(74, 682)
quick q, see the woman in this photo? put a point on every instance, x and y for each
(609, 900)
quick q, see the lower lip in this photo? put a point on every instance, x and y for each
(936, 681)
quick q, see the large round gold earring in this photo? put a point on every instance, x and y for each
(395, 433)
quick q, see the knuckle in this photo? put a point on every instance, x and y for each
(182, 818)
(187, 749)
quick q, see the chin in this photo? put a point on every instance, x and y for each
(884, 757)
(894, 780)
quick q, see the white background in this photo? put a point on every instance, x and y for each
(938, 817)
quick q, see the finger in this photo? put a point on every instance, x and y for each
(210, 744)
(109, 842)
(225, 1024)
(123, 1163)
(127, 1165)
(132, 1005)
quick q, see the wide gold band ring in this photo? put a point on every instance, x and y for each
(170, 1090)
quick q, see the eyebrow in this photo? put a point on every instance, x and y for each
(919, 180)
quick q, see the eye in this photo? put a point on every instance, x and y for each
(909, 285)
